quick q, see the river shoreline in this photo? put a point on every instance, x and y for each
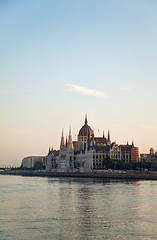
(110, 175)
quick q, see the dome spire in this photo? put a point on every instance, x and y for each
(85, 130)
(86, 119)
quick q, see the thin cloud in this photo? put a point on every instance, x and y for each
(125, 89)
(44, 121)
(85, 91)
(148, 127)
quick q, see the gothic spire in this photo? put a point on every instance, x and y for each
(70, 136)
(103, 135)
(93, 135)
(108, 139)
(62, 144)
(49, 151)
(70, 143)
(132, 143)
(66, 143)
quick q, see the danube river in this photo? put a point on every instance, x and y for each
(80, 209)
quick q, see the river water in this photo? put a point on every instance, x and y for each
(80, 209)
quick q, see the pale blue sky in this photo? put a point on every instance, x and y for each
(53, 53)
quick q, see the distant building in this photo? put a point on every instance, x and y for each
(153, 160)
(88, 152)
(144, 157)
(29, 162)
(152, 152)
(150, 157)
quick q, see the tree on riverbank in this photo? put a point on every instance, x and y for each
(107, 162)
(120, 165)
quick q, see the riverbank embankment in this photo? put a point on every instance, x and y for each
(111, 175)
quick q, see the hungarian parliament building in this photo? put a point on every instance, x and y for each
(88, 152)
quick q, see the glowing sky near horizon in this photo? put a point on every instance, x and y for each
(62, 59)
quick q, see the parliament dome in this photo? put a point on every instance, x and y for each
(85, 130)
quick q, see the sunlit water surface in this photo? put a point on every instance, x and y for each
(73, 208)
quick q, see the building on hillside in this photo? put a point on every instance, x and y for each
(146, 157)
(88, 152)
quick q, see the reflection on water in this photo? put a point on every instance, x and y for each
(77, 208)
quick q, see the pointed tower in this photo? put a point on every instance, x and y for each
(49, 151)
(108, 138)
(93, 136)
(62, 144)
(66, 143)
(127, 143)
(103, 135)
(132, 143)
(70, 143)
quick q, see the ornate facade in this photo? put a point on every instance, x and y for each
(88, 152)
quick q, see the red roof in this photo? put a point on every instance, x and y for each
(86, 131)
(99, 140)
(102, 148)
